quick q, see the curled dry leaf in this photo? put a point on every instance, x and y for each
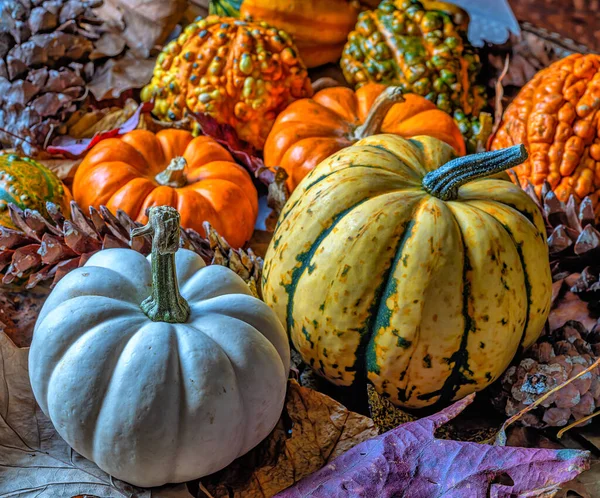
(410, 461)
(277, 196)
(116, 76)
(321, 430)
(34, 460)
(145, 23)
(76, 147)
(89, 121)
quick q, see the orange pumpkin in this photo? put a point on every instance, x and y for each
(309, 130)
(196, 176)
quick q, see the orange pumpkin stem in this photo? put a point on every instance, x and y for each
(174, 175)
(385, 101)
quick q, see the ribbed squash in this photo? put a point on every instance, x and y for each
(28, 185)
(319, 28)
(557, 116)
(394, 262)
(422, 47)
(241, 73)
(309, 130)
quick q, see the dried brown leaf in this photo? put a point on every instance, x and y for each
(383, 412)
(321, 430)
(116, 76)
(146, 23)
(19, 311)
(567, 305)
(277, 196)
(98, 120)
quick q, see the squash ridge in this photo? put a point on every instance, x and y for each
(460, 358)
(523, 265)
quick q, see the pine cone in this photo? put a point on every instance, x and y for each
(556, 357)
(40, 251)
(44, 66)
(573, 236)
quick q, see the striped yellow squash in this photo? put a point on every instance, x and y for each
(396, 262)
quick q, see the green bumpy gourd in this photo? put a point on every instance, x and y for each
(225, 8)
(422, 47)
(29, 185)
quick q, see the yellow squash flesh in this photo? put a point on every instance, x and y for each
(376, 278)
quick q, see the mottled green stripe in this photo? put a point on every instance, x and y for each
(460, 358)
(381, 314)
(304, 260)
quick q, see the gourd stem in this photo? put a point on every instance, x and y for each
(387, 99)
(445, 181)
(165, 304)
(174, 175)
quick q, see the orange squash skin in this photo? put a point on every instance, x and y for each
(319, 28)
(121, 173)
(557, 117)
(310, 130)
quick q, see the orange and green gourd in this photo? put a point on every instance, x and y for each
(28, 185)
(397, 262)
(225, 8)
(557, 116)
(422, 47)
(241, 73)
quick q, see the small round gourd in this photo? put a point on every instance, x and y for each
(28, 184)
(393, 261)
(165, 388)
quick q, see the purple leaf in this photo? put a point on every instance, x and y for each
(73, 147)
(410, 462)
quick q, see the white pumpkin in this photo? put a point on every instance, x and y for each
(152, 402)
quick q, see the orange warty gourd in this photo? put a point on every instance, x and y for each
(557, 117)
(241, 73)
(196, 176)
(319, 28)
(310, 130)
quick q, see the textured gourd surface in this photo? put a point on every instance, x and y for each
(29, 185)
(431, 298)
(121, 173)
(423, 50)
(556, 115)
(241, 73)
(309, 130)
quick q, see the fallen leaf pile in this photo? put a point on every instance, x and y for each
(409, 461)
(314, 430)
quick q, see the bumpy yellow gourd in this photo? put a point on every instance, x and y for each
(241, 73)
(393, 261)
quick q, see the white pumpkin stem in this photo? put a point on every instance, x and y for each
(445, 181)
(391, 96)
(166, 303)
(174, 175)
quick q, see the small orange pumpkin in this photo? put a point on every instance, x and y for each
(309, 130)
(196, 176)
